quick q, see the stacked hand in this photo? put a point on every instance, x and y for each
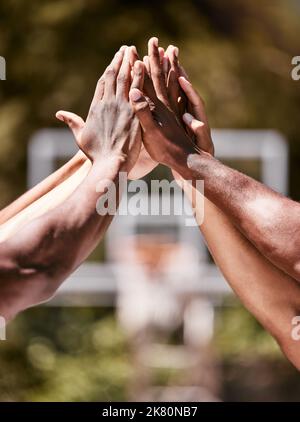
(111, 131)
(174, 121)
(170, 111)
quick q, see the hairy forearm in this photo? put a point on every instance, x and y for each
(269, 294)
(43, 187)
(269, 220)
(50, 247)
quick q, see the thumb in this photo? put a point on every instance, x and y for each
(75, 123)
(199, 130)
(142, 110)
(195, 125)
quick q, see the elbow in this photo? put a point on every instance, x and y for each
(22, 287)
(47, 277)
(51, 262)
(38, 280)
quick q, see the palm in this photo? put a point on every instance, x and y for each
(144, 163)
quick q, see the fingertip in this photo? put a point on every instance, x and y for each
(176, 52)
(138, 66)
(184, 83)
(192, 122)
(126, 52)
(187, 118)
(167, 52)
(183, 79)
(135, 95)
(59, 115)
(153, 42)
(161, 51)
(134, 50)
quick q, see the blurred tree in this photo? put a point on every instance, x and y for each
(238, 53)
(64, 354)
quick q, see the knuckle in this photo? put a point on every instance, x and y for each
(108, 105)
(110, 72)
(100, 82)
(122, 79)
(138, 73)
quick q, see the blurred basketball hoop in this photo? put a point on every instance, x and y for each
(158, 271)
(264, 153)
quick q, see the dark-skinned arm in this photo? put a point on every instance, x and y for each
(271, 295)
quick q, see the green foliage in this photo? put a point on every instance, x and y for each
(55, 354)
(239, 335)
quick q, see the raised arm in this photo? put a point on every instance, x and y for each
(42, 188)
(56, 188)
(269, 220)
(35, 262)
(271, 295)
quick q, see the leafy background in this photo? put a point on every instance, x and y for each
(238, 53)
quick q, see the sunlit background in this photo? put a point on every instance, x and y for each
(132, 329)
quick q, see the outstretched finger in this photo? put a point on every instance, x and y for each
(196, 102)
(75, 122)
(99, 91)
(156, 70)
(147, 64)
(138, 75)
(177, 96)
(111, 74)
(124, 76)
(201, 132)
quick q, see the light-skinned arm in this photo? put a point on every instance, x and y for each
(34, 262)
(56, 188)
(42, 188)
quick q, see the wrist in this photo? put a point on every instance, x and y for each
(194, 164)
(197, 162)
(109, 166)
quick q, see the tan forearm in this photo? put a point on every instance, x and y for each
(35, 261)
(42, 188)
(46, 203)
